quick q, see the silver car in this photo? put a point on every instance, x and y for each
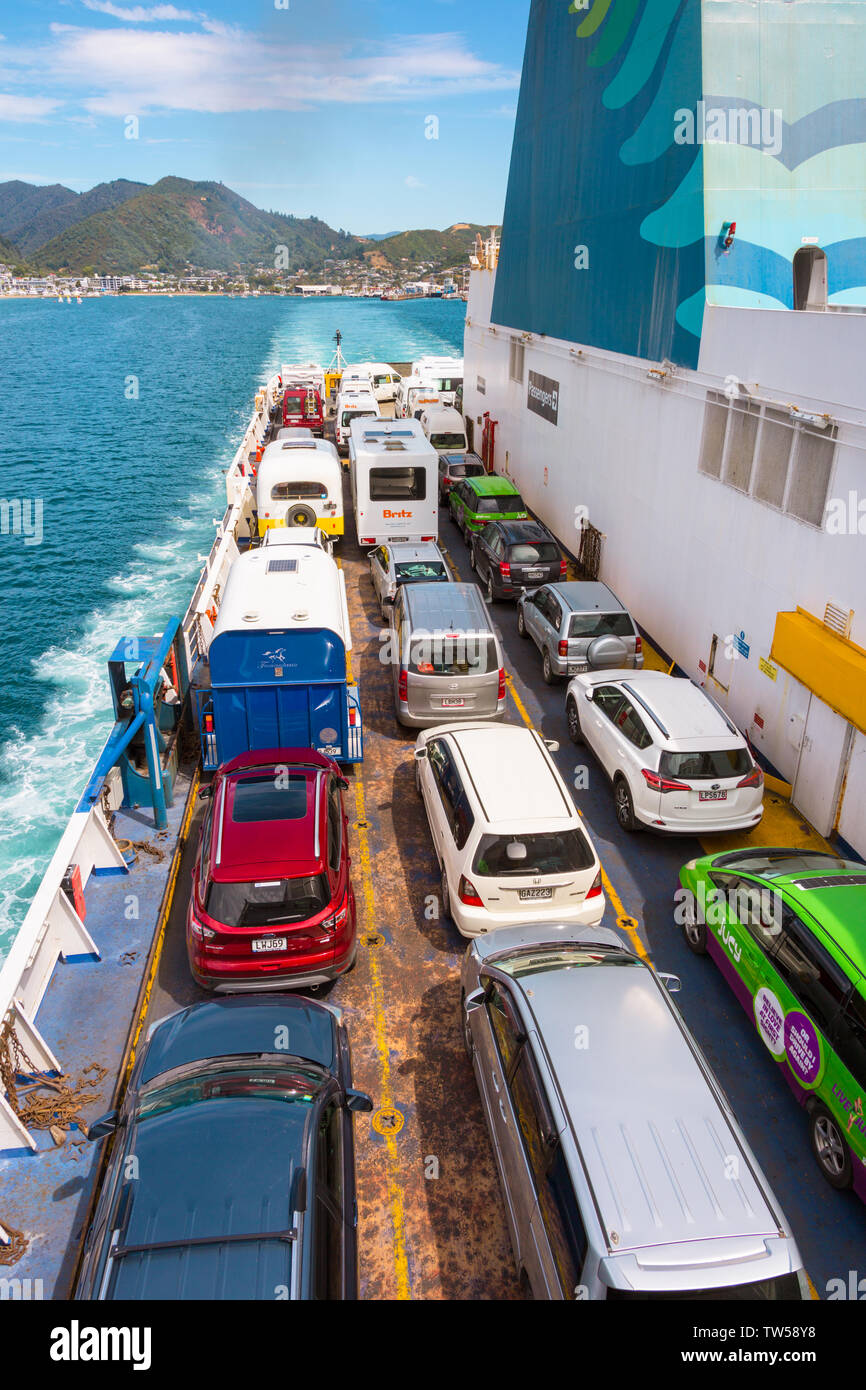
(402, 562)
(623, 1170)
(578, 625)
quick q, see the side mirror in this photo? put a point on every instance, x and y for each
(474, 1001)
(370, 554)
(588, 693)
(105, 1125)
(342, 783)
(552, 744)
(421, 753)
(672, 983)
(358, 1101)
(204, 793)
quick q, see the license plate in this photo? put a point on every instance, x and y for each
(575, 668)
(452, 704)
(532, 894)
(270, 943)
(712, 796)
(533, 574)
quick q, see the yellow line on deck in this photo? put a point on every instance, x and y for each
(163, 923)
(395, 1195)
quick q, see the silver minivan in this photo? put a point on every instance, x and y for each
(446, 661)
(624, 1172)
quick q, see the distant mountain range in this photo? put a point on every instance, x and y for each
(122, 228)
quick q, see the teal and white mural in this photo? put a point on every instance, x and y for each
(645, 129)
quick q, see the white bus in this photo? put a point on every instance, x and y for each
(394, 474)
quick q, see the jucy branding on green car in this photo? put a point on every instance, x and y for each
(476, 501)
(787, 927)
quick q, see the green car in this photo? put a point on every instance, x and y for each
(787, 928)
(476, 501)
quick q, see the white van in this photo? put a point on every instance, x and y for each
(357, 375)
(384, 378)
(394, 476)
(300, 483)
(443, 374)
(353, 403)
(413, 394)
(444, 427)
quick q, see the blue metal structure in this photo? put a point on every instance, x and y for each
(141, 743)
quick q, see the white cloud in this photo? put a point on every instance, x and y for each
(18, 108)
(139, 14)
(223, 68)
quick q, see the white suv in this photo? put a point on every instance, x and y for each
(675, 759)
(509, 841)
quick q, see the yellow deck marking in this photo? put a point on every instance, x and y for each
(395, 1195)
(163, 923)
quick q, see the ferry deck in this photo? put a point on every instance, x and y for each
(430, 1218)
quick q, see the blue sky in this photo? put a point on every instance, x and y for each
(304, 106)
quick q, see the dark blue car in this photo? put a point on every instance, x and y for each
(232, 1171)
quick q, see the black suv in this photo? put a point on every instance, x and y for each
(515, 555)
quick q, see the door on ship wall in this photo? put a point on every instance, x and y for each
(852, 815)
(820, 769)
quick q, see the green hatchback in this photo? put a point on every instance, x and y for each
(476, 501)
(787, 928)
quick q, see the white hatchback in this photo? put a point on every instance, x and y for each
(676, 761)
(508, 838)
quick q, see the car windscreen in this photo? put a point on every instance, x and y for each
(539, 553)
(465, 470)
(448, 441)
(398, 484)
(700, 766)
(542, 960)
(414, 571)
(448, 383)
(600, 625)
(785, 1289)
(502, 504)
(268, 903)
(228, 1079)
(550, 852)
(349, 415)
(464, 654)
(283, 492)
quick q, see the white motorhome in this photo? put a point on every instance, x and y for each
(300, 483)
(413, 394)
(385, 380)
(443, 374)
(353, 402)
(444, 427)
(304, 374)
(394, 476)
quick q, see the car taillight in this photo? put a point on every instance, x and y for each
(501, 694)
(428, 538)
(563, 647)
(596, 886)
(200, 930)
(403, 686)
(337, 918)
(467, 894)
(755, 778)
(353, 716)
(368, 540)
(662, 784)
(505, 569)
(563, 569)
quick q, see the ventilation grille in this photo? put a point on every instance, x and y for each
(838, 619)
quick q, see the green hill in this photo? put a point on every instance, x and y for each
(54, 220)
(441, 249)
(21, 202)
(10, 255)
(177, 223)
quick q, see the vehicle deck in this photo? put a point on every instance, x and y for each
(431, 1222)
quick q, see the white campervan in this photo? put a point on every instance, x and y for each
(394, 476)
(353, 402)
(385, 379)
(444, 427)
(413, 394)
(443, 374)
(300, 483)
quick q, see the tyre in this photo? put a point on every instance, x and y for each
(830, 1148)
(623, 805)
(464, 1026)
(695, 932)
(572, 719)
(446, 897)
(547, 671)
(521, 624)
(473, 563)
(491, 592)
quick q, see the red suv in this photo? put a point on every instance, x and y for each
(271, 903)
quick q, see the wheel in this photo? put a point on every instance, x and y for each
(464, 1026)
(694, 931)
(547, 670)
(829, 1147)
(572, 719)
(623, 804)
(446, 896)
(473, 563)
(491, 592)
(521, 624)
(418, 779)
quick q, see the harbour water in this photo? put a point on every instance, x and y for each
(118, 417)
